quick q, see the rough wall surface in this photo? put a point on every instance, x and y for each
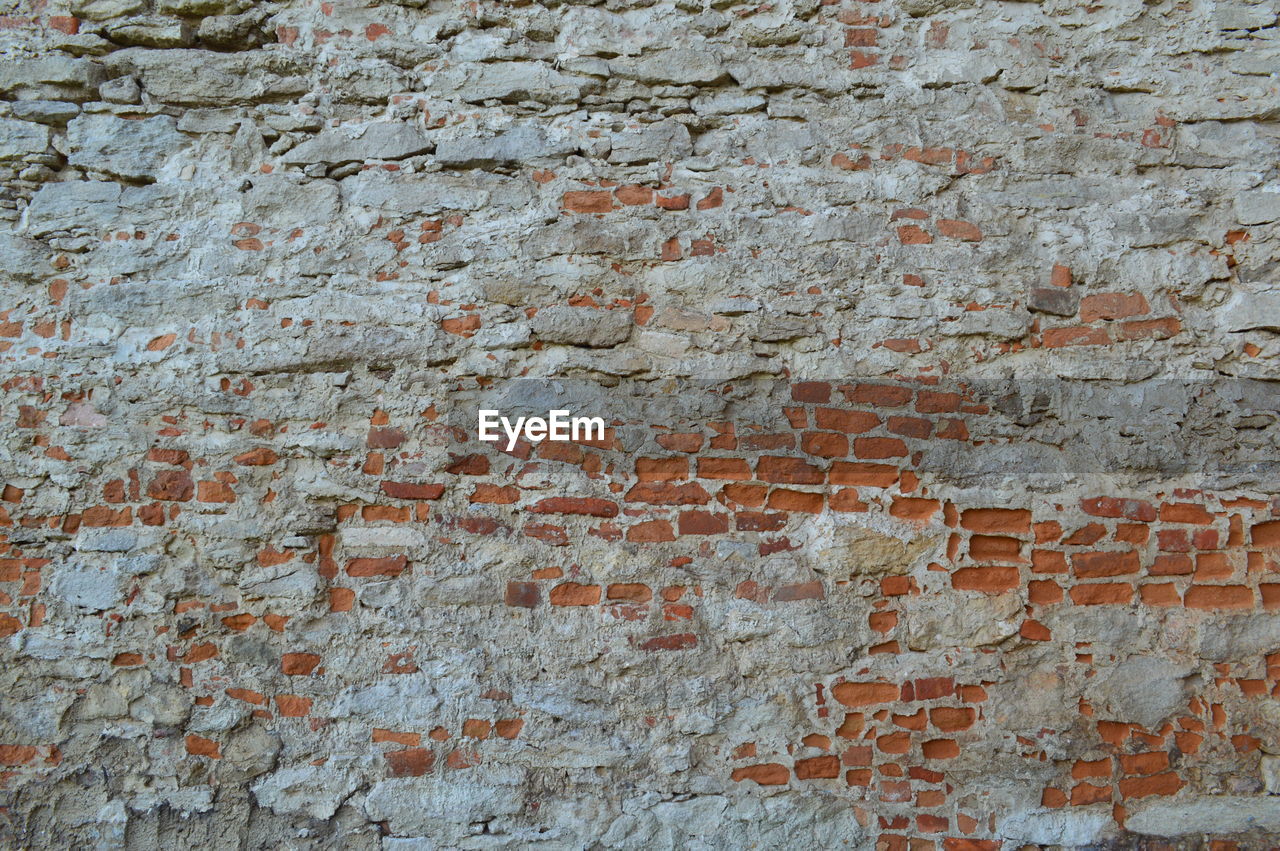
(939, 503)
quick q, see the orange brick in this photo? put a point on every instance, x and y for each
(1113, 593)
(941, 749)
(1219, 597)
(863, 694)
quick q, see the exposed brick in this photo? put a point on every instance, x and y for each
(793, 471)
(1008, 521)
(989, 580)
(1114, 593)
(1218, 597)
(851, 422)
(1099, 564)
(388, 566)
(864, 694)
(574, 594)
(765, 774)
(734, 469)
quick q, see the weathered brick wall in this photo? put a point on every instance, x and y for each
(939, 506)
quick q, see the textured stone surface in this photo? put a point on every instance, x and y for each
(939, 506)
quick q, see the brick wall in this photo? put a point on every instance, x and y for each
(938, 506)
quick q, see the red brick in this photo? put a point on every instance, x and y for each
(860, 37)
(1185, 512)
(1112, 306)
(771, 442)
(341, 599)
(576, 505)
(874, 448)
(384, 438)
(666, 493)
(171, 486)
(863, 475)
(260, 457)
(1160, 594)
(864, 694)
(997, 548)
(941, 749)
(471, 465)
(1055, 338)
(680, 441)
(1009, 521)
(850, 422)
(846, 500)
(680, 641)
(1150, 329)
(790, 471)
(879, 395)
(800, 591)
(1265, 534)
(734, 469)
(410, 490)
(935, 402)
(298, 664)
(894, 743)
(914, 510)
(949, 719)
(651, 532)
(1083, 770)
(1100, 564)
(636, 592)
(989, 580)
(1086, 535)
(588, 201)
(493, 494)
(909, 234)
(766, 774)
(930, 688)
(1129, 509)
(914, 427)
(662, 469)
(214, 492)
(409, 740)
(817, 767)
(1144, 763)
(1219, 597)
(522, 594)
(410, 762)
(1141, 787)
(1033, 630)
(1173, 540)
(388, 566)
(1083, 794)
(1107, 593)
(200, 746)
(23, 754)
(956, 229)
(927, 823)
(818, 392)
(824, 444)
(781, 499)
(462, 326)
(574, 594)
(634, 195)
(702, 523)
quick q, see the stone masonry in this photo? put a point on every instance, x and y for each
(938, 343)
